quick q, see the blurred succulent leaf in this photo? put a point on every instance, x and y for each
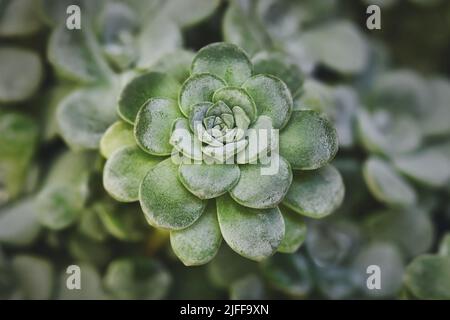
(308, 141)
(386, 185)
(124, 171)
(54, 13)
(91, 226)
(118, 135)
(444, 248)
(137, 278)
(21, 73)
(84, 249)
(84, 116)
(18, 223)
(437, 111)
(316, 194)
(199, 243)
(187, 13)
(254, 234)
(185, 208)
(176, 64)
(18, 18)
(295, 231)
(90, 282)
(250, 287)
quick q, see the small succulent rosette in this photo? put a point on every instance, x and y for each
(221, 132)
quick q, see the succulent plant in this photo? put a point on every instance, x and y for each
(207, 125)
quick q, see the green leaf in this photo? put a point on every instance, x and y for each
(209, 181)
(279, 65)
(154, 126)
(84, 116)
(198, 88)
(197, 114)
(176, 64)
(316, 194)
(199, 243)
(410, 229)
(54, 13)
(314, 95)
(338, 45)
(386, 185)
(165, 201)
(428, 167)
(427, 277)
(137, 278)
(254, 234)
(437, 111)
(84, 249)
(124, 222)
(137, 92)
(224, 60)
(272, 98)
(255, 190)
(20, 74)
(189, 12)
(289, 274)
(124, 172)
(184, 141)
(444, 247)
(250, 287)
(387, 257)
(34, 276)
(91, 285)
(118, 135)
(18, 223)
(295, 231)
(76, 55)
(233, 96)
(309, 141)
(91, 226)
(18, 18)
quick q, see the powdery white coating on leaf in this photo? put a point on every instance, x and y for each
(118, 135)
(20, 74)
(262, 191)
(209, 181)
(124, 171)
(309, 141)
(198, 88)
(225, 60)
(233, 96)
(316, 194)
(387, 185)
(295, 231)
(272, 98)
(254, 234)
(153, 126)
(199, 243)
(165, 201)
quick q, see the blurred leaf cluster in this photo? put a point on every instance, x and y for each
(386, 91)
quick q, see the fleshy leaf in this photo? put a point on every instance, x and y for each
(309, 141)
(444, 247)
(428, 278)
(84, 116)
(90, 281)
(20, 74)
(386, 185)
(189, 12)
(118, 135)
(143, 87)
(209, 181)
(225, 60)
(184, 141)
(254, 234)
(272, 98)
(176, 64)
(154, 125)
(124, 171)
(199, 243)
(233, 96)
(18, 18)
(250, 287)
(316, 194)
(198, 88)
(165, 201)
(270, 189)
(295, 231)
(197, 114)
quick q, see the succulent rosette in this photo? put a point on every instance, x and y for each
(185, 149)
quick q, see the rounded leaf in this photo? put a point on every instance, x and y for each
(309, 141)
(20, 74)
(254, 234)
(176, 64)
(272, 98)
(19, 18)
(386, 184)
(233, 96)
(154, 126)
(209, 181)
(143, 87)
(124, 171)
(118, 135)
(199, 243)
(198, 88)
(295, 231)
(225, 60)
(255, 190)
(316, 194)
(165, 201)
